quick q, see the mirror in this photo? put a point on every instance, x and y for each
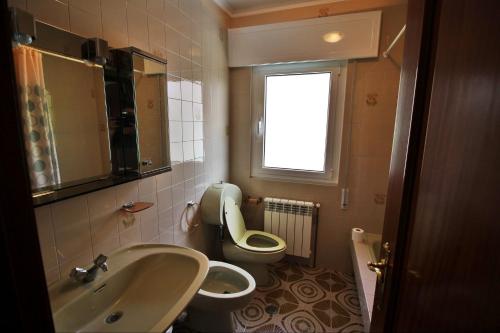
(92, 118)
(62, 101)
(150, 82)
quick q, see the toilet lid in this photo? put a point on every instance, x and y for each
(234, 219)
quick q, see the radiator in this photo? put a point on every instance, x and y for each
(292, 221)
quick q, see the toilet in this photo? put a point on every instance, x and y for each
(250, 249)
(226, 288)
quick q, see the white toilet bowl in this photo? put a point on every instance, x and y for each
(226, 288)
(249, 249)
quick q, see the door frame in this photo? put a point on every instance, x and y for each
(24, 287)
(22, 265)
(409, 136)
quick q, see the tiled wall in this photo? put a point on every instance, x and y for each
(191, 35)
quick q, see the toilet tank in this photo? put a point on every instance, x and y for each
(212, 203)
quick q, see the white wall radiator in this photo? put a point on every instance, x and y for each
(293, 221)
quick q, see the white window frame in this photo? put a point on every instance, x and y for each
(330, 176)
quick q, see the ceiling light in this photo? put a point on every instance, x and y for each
(333, 37)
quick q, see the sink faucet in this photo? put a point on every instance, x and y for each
(88, 275)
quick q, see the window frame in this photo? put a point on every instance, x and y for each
(334, 130)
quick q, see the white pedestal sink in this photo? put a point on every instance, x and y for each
(145, 288)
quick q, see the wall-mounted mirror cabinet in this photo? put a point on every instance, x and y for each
(92, 118)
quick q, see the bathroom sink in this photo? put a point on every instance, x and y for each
(145, 288)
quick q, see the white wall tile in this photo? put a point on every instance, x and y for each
(198, 111)
(46, 237)
(167, 237)
(149, 228)
(198, 149)
(72, 228)
(198, 130)
(107, 246)
(199, 166)
(128, 192)
(163, 181)
(187, 131)
(188, 170)
(187, 111)
(130, 235)
(186, 90)
(176, 154)
(104, 229)
(164, 199)
(178, 194)
(175, 131)
(197, 93)
(189, 194)
(188, 150)
(165, 221)
(101, 202)
(177, 174)
(174, 108)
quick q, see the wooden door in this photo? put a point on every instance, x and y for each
(25, 299)
(446, 265)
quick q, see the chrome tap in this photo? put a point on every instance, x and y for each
(87, 275)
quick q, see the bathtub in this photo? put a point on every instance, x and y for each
(361, 253)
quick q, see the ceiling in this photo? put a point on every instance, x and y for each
(237, 8)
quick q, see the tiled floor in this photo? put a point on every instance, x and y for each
(305, 300)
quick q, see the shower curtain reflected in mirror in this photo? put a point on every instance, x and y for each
(35, 106)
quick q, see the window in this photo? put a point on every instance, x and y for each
(296, 110)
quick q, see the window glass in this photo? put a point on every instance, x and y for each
(296, 121)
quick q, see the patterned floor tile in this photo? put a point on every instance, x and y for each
(305, 299)
(309, 300)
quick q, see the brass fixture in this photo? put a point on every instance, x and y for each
(380, 268)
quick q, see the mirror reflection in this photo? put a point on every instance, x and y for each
(150, 83)
(63, 106)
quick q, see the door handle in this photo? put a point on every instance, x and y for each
(380, 268)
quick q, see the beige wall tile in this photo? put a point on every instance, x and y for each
(92, 7)
(84, 23)
(137, 26)
(50, 11)
(114, 22)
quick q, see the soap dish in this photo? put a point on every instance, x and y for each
(135, 207)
